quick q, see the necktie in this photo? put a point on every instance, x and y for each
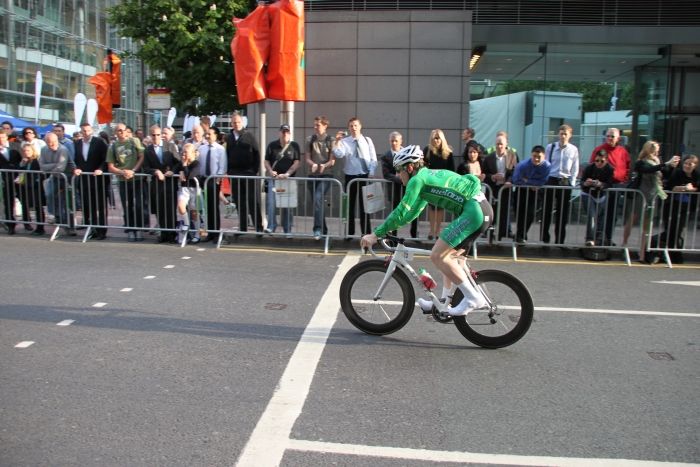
(365, 169)
(207, 170)
(159, 153)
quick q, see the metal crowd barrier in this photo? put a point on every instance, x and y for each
(89, 202)
(567, 217)
(31, 191)
(675, 223)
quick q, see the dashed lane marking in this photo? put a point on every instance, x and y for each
(99, 305)
(150, 277)
(186, 257)
(24, 344)
(65, 322)
(126, 289)
(169, 266)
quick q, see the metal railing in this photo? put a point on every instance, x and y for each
(231, 206)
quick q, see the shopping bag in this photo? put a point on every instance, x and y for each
(373, 198)
(18, 209)
(285, 193)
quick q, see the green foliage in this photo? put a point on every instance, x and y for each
(186, 45)
(596, 96)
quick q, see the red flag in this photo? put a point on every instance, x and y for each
(103, 90)
(113, 63)
(285, 71)
(250, 49)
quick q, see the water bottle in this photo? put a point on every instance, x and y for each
(427, 280)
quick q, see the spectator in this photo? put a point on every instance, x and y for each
(9, 128)
(91, 156)
(243, 158)
(681, 205)
(473, 162)
(60, 131)
(55, 159)
(528, 177)
(160, 162)
(596, 178)
(29, 135)
(389, 173)
(169, 142)
(498, 168)
(619, 160)
(189, 195)
(438, 156)
(320, 159)
(504, 134)
(563, 171)
(360, 163)
(651, 170)
(31, 187)
(282, 159)
(9, 160)
(212, 156)
(125, 158)
(468, 136)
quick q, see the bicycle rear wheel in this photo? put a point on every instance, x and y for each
(508, 318)
(387, 314)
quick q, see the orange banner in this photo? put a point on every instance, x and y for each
(250, 48)
(103, 90)
(285, 71)
(115, 65)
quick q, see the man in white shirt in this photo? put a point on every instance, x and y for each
(564, 159)
(360, 162)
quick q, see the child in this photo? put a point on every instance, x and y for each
(189, 193)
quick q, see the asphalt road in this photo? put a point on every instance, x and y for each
(204, 364)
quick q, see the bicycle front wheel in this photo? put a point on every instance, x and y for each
(507, 319)
(390, 311)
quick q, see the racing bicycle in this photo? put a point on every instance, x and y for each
(378, 298)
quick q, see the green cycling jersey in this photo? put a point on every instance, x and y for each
(441, 188)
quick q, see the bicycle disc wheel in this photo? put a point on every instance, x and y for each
(387, 314)
(508, 318)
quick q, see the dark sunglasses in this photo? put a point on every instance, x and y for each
(601, 160)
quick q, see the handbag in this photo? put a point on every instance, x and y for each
(373, 197)
(285, 193)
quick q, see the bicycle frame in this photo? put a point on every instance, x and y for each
(401, 256)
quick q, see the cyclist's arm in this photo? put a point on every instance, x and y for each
(410, 206)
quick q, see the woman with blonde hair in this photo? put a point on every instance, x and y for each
(30, 188)
(438, 155)
(651, 172)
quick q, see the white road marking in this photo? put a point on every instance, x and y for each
(186, 257)
(466, 457)
(24, 344)
(66, 322)
(169, 266)
(614, 312)
(695, 283)
(99, 305)
(150, 277)
(270, 438)
(201, 249)
(126, 289)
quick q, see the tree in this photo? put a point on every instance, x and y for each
(186, 45)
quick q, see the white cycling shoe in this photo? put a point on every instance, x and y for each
(425, 305)
(466, 306)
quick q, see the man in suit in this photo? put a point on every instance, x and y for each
(498, 168)
(243, 158)
(212, 156)
(9, 160)
(159, 161)
(90, 156)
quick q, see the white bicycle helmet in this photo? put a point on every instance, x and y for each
(409, 154)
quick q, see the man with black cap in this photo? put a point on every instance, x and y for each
(282, 159)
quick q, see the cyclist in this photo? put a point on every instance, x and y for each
(460, 194)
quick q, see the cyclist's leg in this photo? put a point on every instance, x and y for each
(467, 225)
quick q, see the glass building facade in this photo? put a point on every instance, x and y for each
(67, 41)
